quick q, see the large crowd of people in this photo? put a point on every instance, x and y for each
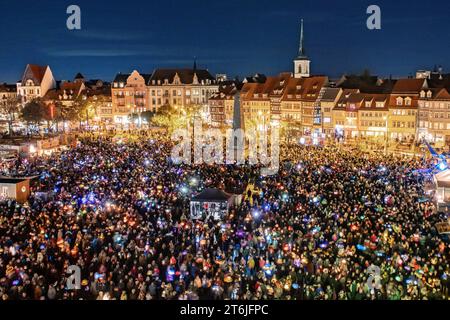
(333, 223)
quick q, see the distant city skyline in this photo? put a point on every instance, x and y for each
(238, 38)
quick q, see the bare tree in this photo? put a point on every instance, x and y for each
(34, 112)
(65, 113)
(10, 108)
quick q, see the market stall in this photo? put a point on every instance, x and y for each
(210, 202)
(442, 185)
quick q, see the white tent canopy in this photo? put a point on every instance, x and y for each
(442, 181)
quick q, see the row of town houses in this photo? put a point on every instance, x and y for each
(127, 94)
(353, 106)
(402, 109)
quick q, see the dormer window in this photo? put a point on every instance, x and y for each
(408, 101)
(429, 94)
(422, 94)
(367, 104)
(399, 101)
(298, 87)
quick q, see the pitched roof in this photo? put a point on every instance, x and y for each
(102, 91)
(147, 77)
(304, 88)
(35, 73)
(350, 100)
(442, 94)
(226, 91)
(186, 75)
(211, 194)
(79, 76)
(121, 77)
(286, 87)
(258, 78)
(71, 89)
(330, 94)
(372, 101)
(4, 87)
(409, 85)
(12, 180)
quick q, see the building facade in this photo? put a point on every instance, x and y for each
(327, 101)
(35, 83)
(373, 116)
(181, 88)
(7, 92)
(281, 99)
(434, 115)
(129, 94)
(345, 114)
(403, 109)
(221, 105)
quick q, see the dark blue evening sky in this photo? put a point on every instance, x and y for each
(237, 37)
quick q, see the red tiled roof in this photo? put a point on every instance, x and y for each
(286, 87)
(71, 89)
(361, 100)
(442, 94)
(409, 85)
(4, 87)
(35, 73)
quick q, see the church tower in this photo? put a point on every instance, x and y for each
(301, 63)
